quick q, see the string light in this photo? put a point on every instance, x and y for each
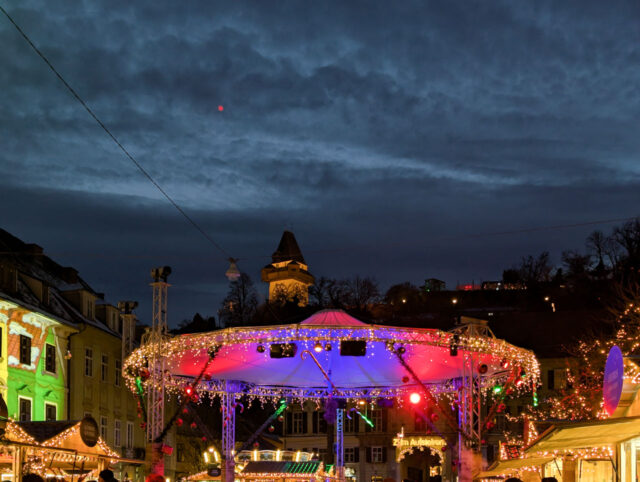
(186, 350)
(41, 455)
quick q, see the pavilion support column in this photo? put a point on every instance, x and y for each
(340, 444)
(228, 434)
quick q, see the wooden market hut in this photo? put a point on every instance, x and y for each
(62, 449)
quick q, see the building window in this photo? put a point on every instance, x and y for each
(118, 372)
(50, 412)
(129, 435)
(88, 362)
(104, 372)
(376, 418)
(50, 358)
(298, 422)
(352, 454)
(377, 455)
(551, 379)
(559, 379)
(25, 350)
(319, 423)
(25, 409)
(180, 453)
(116, 433)
(376, 478)
(90, 309)
(103, 428)
(88, 414)
(420, 424)
(351, 425)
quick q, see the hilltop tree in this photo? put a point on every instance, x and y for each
(534, 270)
(198, 324)
(241, 302)
(361, 292)
(319, 293)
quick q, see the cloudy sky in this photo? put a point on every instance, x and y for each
(394, 138)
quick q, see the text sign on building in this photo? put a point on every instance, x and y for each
(613, 379)
(89, 431)
(419, 442)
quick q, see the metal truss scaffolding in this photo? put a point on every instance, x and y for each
(228, 433)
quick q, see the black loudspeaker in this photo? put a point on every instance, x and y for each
(353, 348)
(283, 350)
(385, 402)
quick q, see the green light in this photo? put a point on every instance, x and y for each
(497, 389)
(363, 417)
(281, 409)
(535, 399)
(139, 385)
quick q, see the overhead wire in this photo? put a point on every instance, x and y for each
(346, 248)
(113, 137)
(202, 231)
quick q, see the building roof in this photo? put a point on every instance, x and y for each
(30, 261)
(273, 467)
(288, 249)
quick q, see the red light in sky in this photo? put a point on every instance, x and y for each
(220, 108)
(415, 398)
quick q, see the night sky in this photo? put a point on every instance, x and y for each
(395, 139)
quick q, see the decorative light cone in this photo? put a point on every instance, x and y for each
(233, 273)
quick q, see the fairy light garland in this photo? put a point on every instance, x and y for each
(182, 350)
(41, 454)
(603, 452)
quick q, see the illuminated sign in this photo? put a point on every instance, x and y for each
(613, 379)
(419, 442)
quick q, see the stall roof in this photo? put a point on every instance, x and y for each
(201, 476)
(503, 466)
(42, 431)
(274, 467)
(587, 434)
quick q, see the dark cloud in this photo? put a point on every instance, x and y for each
(396, 131)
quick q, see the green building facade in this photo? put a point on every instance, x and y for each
(34, 363)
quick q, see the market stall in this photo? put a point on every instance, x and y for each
(602, 450)
(273, 471)
(60, 449)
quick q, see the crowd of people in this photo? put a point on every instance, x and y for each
(104, 476)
